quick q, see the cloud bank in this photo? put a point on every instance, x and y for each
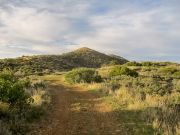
(134, 29)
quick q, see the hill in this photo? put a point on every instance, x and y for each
(83, 57)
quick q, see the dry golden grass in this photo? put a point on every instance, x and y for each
(127, 100)
(39, 98)
(91, 86)
(104, 71)
(4, 107)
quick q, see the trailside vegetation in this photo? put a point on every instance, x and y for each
(83, 75)
(18, 107)
(146, 94)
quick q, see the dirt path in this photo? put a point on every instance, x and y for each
(78, 112)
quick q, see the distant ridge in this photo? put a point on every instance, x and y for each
(82, 57)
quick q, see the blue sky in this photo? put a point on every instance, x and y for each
(135, 29)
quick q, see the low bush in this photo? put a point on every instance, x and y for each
(17, 103)
(168, 70)
(148, 85)
(147, 63)
(176, 74)
(133, 63)
(83, 75)
(155, 86)
(12, 89)
(120, 70)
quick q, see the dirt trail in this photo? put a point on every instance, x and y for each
(78, 112)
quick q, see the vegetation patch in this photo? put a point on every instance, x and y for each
(122, 70)
(145, 104)
(17, 103)
(177, 74)
(168, 70)
(83, 75)
(46, 64)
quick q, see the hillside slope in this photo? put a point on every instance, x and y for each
(83, 57)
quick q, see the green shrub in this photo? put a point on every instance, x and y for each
(16, 110)
(177, 74)
(119, 70)
(133, 63)
(157, 86)
(147, 63)
(83, 75)
(12, 90)
(150, 85)
(168, 70)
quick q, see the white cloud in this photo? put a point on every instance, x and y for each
(137, 29)
(29, 24)
(127, 33)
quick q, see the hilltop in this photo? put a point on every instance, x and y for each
(86, 57)
(83, 57)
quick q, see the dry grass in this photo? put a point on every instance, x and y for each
(4, 107)
(126, 101)
(39, 97)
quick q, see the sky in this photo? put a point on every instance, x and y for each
(140, 30)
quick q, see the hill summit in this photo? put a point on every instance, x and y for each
(83, 49)
(86, 57)
(82, 57)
